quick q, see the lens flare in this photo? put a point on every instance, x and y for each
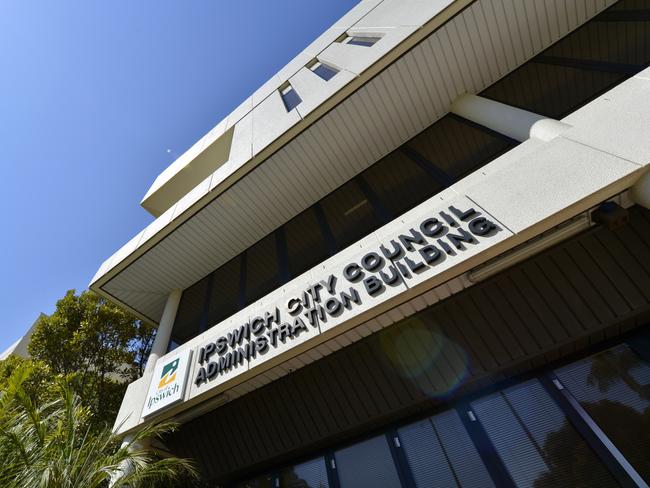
(433, 362)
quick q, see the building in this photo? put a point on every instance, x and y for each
(19, 348)
(418, 256)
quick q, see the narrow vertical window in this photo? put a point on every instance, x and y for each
(325, 71)
(290, 97)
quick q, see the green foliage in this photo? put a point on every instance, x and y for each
(96, 346)
(50, 444)
(37, 384)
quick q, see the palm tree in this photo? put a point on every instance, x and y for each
(54, 446)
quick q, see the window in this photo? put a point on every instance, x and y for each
(190, 312)
(290, 97)
(312, 474)
(455, 148)
(224, 299)
(265, 481)
(614, 388)
(349, 214)
(306, 245)
(399, 183)
(535, 440)
(365, 41)
(323, 70)
(368, 464)
(440, 453)
(262, 268)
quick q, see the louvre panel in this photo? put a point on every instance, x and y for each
(611, 386)
(523, 424)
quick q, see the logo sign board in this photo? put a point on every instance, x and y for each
(168, 382)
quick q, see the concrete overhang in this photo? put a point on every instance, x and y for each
(199, 162)
(280, 162)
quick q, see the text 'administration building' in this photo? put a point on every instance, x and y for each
(417, 256)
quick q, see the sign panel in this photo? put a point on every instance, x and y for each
(168, 382)
(412, 249)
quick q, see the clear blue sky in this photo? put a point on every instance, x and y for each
(92, 95)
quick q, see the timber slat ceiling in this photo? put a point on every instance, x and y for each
(473, 50)
(551, 305)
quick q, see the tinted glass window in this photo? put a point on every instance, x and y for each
(399, 183)
(224, 296)
(324, 71)
(265, 481)
(262, 271)
(349, 214)
(614, 388)
(190, 312)
(363, 41)
(440, 453)
(551, 90)
(368, 464)
(305, 243)
(537, 444)
(290, 98)
(457, 148)
(311, 474)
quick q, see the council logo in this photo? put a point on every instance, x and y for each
(168, 374)
(168, 381)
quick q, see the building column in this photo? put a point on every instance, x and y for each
(161, 341)
(126, 467)
(510, 121)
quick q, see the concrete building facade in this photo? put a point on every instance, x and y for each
(417, 256)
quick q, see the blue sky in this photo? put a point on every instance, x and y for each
(93, 94)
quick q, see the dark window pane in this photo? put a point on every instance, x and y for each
(399, 183)
(324, 71)
(262, 270)
(311, 474)
(265, 481)
(187, 324)
(305, 244)
(457, 148)
(440, 453)
(290, 98)
(537, 444)
(368, 464)
(425, 455)
(363, 41)
(349, 214)
(224, 299)
(551, 90)
(614, 388)
(618, 42)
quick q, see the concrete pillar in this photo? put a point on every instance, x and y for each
(127, 467)
(161, 341)
(513, 122)
(640, 191)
